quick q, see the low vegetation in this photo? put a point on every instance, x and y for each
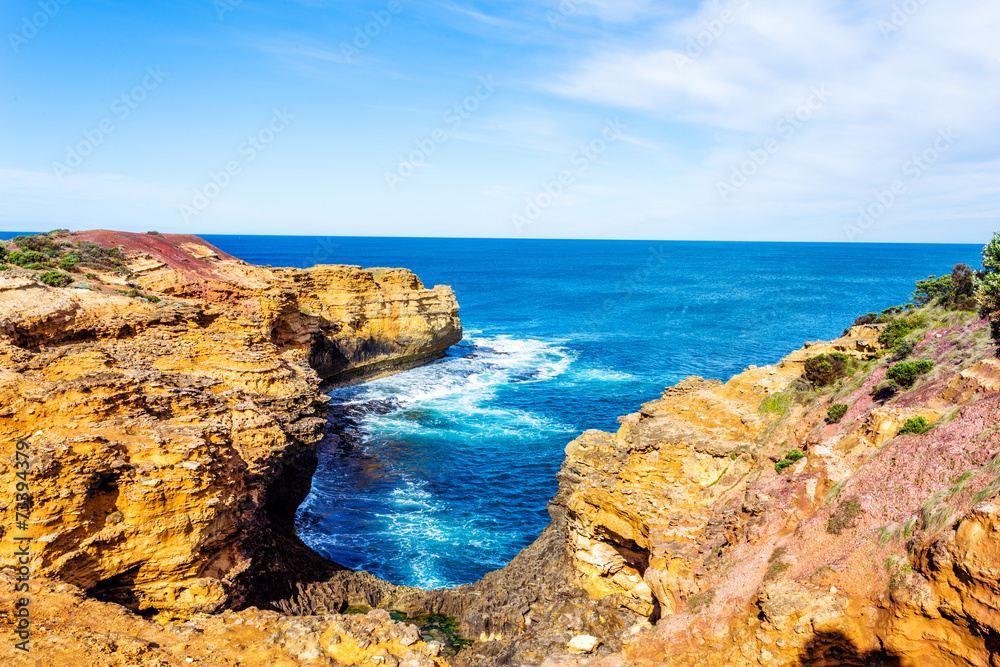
(775, 566)
(825, 369)
(903, 349)
(836, 412)
(905, 373)
(870, 318)
(901, 327)
(916, 425)
(45, 252)
(55, 279)
(774, 404)
(790, 458)
(700, 601)
(845, 517)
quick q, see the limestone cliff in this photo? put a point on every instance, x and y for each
(170, 408)
(867, 547)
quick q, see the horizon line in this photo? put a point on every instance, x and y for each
(509, 238)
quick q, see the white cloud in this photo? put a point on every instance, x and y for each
(890, 92)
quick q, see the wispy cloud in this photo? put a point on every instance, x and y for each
(891, 90)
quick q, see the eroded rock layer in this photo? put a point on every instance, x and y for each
(171, 442)
(869, 546)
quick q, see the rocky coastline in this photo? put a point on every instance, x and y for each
(169, 406)
(169, 413)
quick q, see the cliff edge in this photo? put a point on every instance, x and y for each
(167, 401)
(841, 507)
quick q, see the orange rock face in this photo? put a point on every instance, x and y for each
(170, 443)
(866, 546)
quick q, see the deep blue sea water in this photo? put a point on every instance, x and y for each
(445, 471)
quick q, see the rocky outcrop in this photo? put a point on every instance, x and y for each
(171, 437)
(685, 545)
(73, 630)
(372, 321)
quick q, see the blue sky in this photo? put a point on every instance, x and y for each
(802, 120)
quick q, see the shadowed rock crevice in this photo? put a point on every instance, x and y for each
(833, 649)
(119, 589)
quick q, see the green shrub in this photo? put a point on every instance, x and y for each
(905, 373)
(3, 251)
(39, 243)
(836, 413)
(900, 327)
(153, 299)
(870, 318)
(989, 287)
(916, 425)
(845, 516)
(34, 266)
(55, 279)
(956, 291)
(963, 296)
(932, 288)
(826, 368)
(891, 313)
(903, 349)
(790, 458)
(99, 257)
(25, 257)
(69, 262)
(774, 403)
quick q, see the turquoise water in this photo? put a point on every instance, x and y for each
(435, 476)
